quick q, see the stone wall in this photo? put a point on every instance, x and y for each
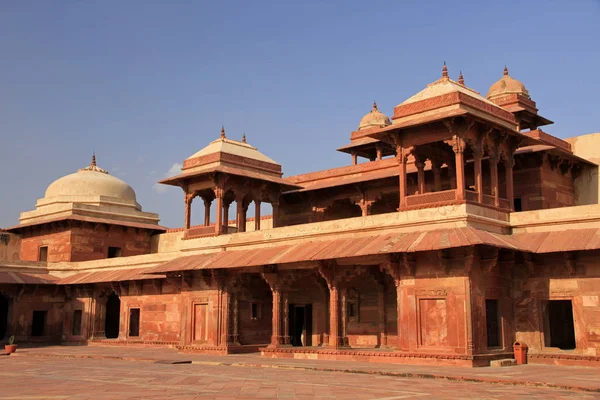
(10, 246)
(549, 277)
(92, 242)
(57, 239)
(587, 184)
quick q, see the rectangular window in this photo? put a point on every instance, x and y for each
(560, 324)
(134, 322)
(43, 253)
(76, 331)
(114, 252)
(491, 323)
(38, 324)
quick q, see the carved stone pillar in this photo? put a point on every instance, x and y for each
(225, 317)
(275, 205)
(458, 146)
(393, 269)
(273, 281)
(286, 319)
(382, 317)
(379, 152)
(257, 215)
(276, 339)
(436, 168)
(452, 174)
(335, 315)
(239, 217)
(402, 157)
(188, 198)
(207, 204)
(478, 154)
(226, 217)
(354, 159)
(420, 164)
(235, 337)
(219, 192)
(494, 178)
(510, 190)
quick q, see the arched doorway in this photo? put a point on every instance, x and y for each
(113, 316)
(3, 315)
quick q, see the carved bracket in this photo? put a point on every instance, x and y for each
(271, 276)
(570, 263)
(445, 260)
(327, 271)
(489, 263)
(393, 269)
(529, 261)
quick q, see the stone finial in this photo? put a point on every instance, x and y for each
(505, 71)
(244, 138)
(93, 166)
(375, 106)
(445, 71)
(461, 79)
(222, 132)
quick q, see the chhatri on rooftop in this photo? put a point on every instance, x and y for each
(228, 156)
(226, 171)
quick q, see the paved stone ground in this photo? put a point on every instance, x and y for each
(559, 377)
(28, 378)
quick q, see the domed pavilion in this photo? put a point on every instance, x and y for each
(91, 212)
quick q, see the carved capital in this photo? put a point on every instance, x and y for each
(458, 144)
(188, 197)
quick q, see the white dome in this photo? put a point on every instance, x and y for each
(91, 182)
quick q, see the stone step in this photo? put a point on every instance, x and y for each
(505, 362)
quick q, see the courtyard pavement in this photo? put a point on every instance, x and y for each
(575, 379)
(28, 378)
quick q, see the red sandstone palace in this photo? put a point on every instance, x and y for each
(459, 228)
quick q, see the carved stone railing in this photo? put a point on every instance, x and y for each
(200, 231)
(431, 198)
(471, 195)
(489, 200)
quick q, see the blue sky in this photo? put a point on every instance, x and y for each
(145, 84)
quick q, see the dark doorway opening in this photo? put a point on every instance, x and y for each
(492, 323)
(518, 204)
(300, 324)
(38, 324)
(134, 322)
(3, 315)
(560, 323)
(113, 316)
